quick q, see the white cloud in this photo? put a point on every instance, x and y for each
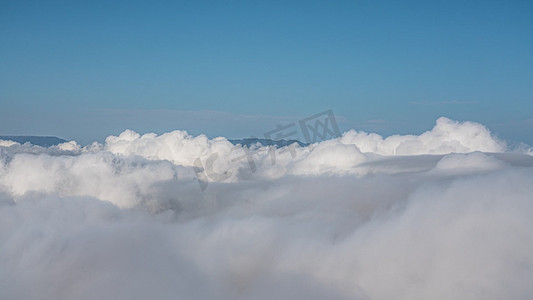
(4, 143)
(434, 216)
(446, 137)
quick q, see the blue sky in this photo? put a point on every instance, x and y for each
(84, 70)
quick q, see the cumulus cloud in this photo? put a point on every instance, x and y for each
(442, 215)
(4, 143)
(446, 137)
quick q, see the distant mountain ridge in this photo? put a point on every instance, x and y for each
(47, 141)
(266, 142)
(43, 141)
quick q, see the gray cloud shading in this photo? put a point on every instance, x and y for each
(441, 215)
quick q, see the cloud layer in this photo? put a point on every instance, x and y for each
(442, 215)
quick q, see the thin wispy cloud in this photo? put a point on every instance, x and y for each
(447, 102)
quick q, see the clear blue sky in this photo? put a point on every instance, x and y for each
(83, 70)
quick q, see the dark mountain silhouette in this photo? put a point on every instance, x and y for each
(44, 141)
(47, 141)
(267, 142)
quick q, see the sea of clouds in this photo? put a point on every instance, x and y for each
(447, 214)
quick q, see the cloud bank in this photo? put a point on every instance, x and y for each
(442, 215)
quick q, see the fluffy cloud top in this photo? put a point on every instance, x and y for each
(446, 137)
(443, 215)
